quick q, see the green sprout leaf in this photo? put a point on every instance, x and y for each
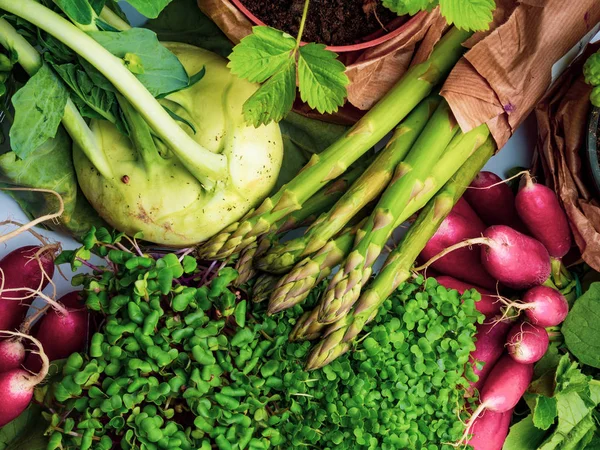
(412, 7)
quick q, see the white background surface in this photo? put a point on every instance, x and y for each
(517, 152)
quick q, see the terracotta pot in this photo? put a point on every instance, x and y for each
(398, 26)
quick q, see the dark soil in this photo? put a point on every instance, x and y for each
(331, 22)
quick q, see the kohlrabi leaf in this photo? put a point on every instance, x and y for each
(25, 432)
(97, 5)
(149, 8)
(524, 436)
(274, 99)
(102, 102)
(472, 15)
(261, 54)
(322, 78)
(403, 7)
(39, 107)
(182, 21)
(49, 167)
(162, 71)
(545, 412)
(79, 11)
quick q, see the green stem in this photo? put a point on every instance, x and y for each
(302, 25)
(414, 86)
(397, 269)
(409, 179)
(108, 16)
(209, 168)
(30, 60)
(367, 188)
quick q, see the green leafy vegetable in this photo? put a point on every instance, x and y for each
(162, 72)
(149, 8)
(25, 432)
(277, 59)
(581, 326)
(591, 71)
(80, 11)
(474, 15)
(39, 108)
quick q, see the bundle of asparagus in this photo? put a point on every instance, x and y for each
(426, 165)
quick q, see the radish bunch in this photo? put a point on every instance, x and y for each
(56, 331)
(518, 238)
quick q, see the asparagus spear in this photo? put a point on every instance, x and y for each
(321, 201)
(307, 328)
(344, 288)
(339, 336)
(293, 287)
(263, 286)
(416, 84)
(281, 258)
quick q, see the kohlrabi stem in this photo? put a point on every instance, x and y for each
(302, 25)
(108, 16)
(206, 166)
(30, 60)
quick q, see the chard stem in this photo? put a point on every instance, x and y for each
(30, 60)
(206, 166)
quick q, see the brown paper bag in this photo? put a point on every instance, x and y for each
(506, 72)
(562, 129)
(372, 72)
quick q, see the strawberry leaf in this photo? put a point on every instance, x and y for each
(274, 99)
(403, 7)
(322, 78)
(261, 54)
(471, 15)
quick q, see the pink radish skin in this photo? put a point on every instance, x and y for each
(495, 205)
(465, 263)
(59, 334)
(539, 208)
(527, 343)
(545, 306)
(489, 305)
(504, 387)
(22, 270)
(516, 260)
(17, 387)
(463, 208)
(489, 347)
(12, 354)
(489, 430)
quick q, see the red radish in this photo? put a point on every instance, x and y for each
(493, 200)
(544, 306)
(539, 208)
(489, 347)
(527, 343)
(489, 430)
(12, 354)
(61, 334)
(17, 385)
(463, 208)
(504, 387)
(21, 273)
(489, 305)
(516, 260)
(465, 263)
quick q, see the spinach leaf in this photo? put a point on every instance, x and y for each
(39, 107)
(158, 69)
(50, 167)
(182, 21)
(581, 326)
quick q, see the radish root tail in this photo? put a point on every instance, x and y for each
(521, 173)
(36, 293)
(467, 243)
(39, 377)
(39, 220)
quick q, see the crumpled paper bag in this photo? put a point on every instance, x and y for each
(562, 131)
(508, 69)
(372, 72)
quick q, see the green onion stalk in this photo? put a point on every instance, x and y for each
(339, 337)
(281, 258)
(416, 84)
